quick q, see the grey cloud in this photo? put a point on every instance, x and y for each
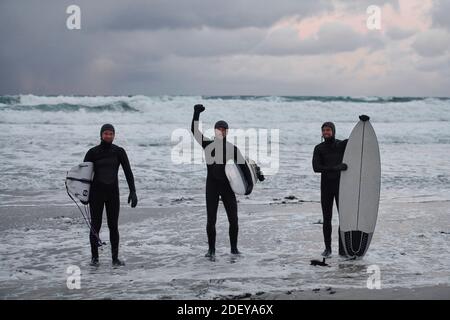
(39, 54)
(233, 75)
(197, 48)
(440, 14)
(435, 65)
(172, 14)
(358, 6)
(396, 33)
(430, 43)
(331, 38)
(196, 42)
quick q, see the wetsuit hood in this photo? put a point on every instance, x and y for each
(104, 128)
(331, 125)
(107, 126)
(221, 124)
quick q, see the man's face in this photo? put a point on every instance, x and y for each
(108, 136)
(221, 132)
(327, 132)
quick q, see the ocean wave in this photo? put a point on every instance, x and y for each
(144, 103)
(363, 99)
(118, 106)
(30, 102)
(250, 111)
(91, 101)
(6, 100)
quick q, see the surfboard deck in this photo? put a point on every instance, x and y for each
(78, 181)
(359, 190)
(237, 179)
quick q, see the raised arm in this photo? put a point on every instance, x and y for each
(198, 135)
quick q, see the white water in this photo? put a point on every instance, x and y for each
(42, 137)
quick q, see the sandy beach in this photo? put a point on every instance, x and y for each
(164, 247)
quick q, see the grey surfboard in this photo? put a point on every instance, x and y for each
(78, 181)
(236, 177)
(359, 190)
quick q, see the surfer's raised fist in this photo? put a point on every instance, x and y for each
(363, 117)
(199, 108)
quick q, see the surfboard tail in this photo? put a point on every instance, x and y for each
(240, 182)
(355, 242)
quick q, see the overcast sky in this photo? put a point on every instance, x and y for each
(232, 47)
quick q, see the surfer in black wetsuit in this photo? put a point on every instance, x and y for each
(327, 159)
(217, 153)
(107, 157)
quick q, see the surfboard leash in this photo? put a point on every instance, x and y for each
(86, 217)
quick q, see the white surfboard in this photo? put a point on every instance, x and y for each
(78, 181)
(359, 190)
(237, 179)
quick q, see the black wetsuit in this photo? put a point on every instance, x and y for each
(217, 153)
(327, 155)
(104, 192)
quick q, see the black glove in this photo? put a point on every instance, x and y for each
(199, 108)
(259, 174)
(133, 199)
(363, 117)
(340, 167)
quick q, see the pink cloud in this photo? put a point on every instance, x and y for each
(410, 15)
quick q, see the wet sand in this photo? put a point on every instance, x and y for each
(441, 292)
(164, 248)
